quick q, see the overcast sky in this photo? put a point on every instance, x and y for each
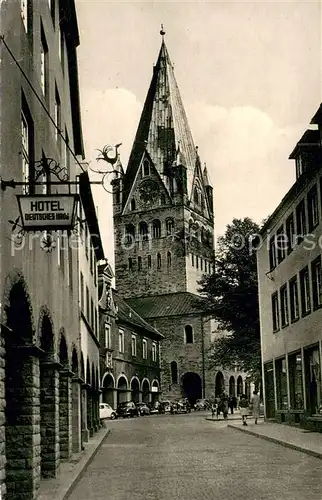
(249, 74)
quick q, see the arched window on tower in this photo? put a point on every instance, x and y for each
(174, 372)
(129, 233)
(169, 259)
(156, 228)
(196, 196)
(144, 231)
(130, 264)
(170, 226)
(132, 204)
(139, 263)
(146, 168)
(162, 199)
(188, 334)
(159, 261)
(149, 262)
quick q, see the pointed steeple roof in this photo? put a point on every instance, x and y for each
(206, 177)
(163, 128)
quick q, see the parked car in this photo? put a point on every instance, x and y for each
(156, 407)
(127, 409)
(179, 407)
(143, 408)
(106, 411)
(201, 404)
(166, 406)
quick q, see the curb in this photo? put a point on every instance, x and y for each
(84, 467)
(315, 454)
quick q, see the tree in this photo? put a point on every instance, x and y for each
(231, 296)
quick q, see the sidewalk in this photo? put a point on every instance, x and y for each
(286, 435)
(69, 473)
(235, 416)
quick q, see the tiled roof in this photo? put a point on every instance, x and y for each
(172, 304)
(127, 314)
(163, 127)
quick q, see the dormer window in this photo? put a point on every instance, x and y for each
(196, 196)
(132, 204)
(299, 166)
(146, 168)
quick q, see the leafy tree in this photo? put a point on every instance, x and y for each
(231, 295)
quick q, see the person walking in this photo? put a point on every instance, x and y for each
(224, 405)
(244, 408)
(255, 404)
(231, 405)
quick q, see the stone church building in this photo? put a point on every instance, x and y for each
(164, 238)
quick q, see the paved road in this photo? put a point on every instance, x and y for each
(185, 457)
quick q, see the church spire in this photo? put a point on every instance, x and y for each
(163, 126)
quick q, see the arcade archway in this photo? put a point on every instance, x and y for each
(219, 384)
(232, 389)
(122, 388)
(108, 389)
(240, 386)
(135, 390)
(191, 387)
(145, 391)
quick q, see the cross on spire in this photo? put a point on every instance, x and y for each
(162, 32)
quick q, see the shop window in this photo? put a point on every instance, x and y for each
(174, 372)
(281, 384)
(294, 299)
(313, 380)
(188, 334)
(296, 381)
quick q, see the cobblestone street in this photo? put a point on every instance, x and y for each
(184, 456)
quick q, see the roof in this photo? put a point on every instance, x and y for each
(172, 304)
(163, 128)
(310, 138)
(317, 118)
(128, 315)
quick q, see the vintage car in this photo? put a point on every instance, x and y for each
(127, 409)
(106, 411)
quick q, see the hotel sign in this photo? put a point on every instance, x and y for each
(47, 212)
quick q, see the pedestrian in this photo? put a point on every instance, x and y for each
(224, 405)
(231, 405)
(244, 408)
(255, 404)
(234, 401)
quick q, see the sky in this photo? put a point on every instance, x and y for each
(249, 74)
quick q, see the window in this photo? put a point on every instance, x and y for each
(162, 199)
(67, 153)
(146, 168)
(149, 262)
(61, 46)
(275, 312)
(25, 152)
(169, 263)
(299, 166)
(154, 352)
(87, 304)
(170, 226)
(305, 291)
(290, 233)
(139, 263)
(174, 372)
(130, 264)
(57, 118)
(129, 233)
(281, 384)
(192, 259)
(156, 229)
(43, 63)
(143, 231)
(316, 283)
(133, 344)
(300, 221)
(144, 349)
(117, 195)
(281, 244)
(24, 13)
(121, 341)
(197, 262)
(86, 240)
(201, 262)
(294, 299)
(159, 261)
(92, 314)
(108, 338)
(284, 306)
(132, 204)
(196, 196)
(188, 334)
(313, 208)
(296, 381)
(82, 291)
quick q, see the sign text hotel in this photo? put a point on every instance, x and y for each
(46, 212)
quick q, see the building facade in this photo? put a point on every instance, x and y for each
(289, 273)
(164, 234)
(40, 142)
(130, 349)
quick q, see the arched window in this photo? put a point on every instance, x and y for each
(129, 233)
(196, 196)
(188, 334)
(149, 262)
(201, 263)
(143, 230)
(156, 228)
(174, 372)
(130, 264)
(146, 168)
(139, 263)
(192, 259)
(197, 262)
(169, 259)
(133, 204)
(162, 199)
(159, 261)
(170, 226)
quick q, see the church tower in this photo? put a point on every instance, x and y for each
(164, 232)
(163, 206)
